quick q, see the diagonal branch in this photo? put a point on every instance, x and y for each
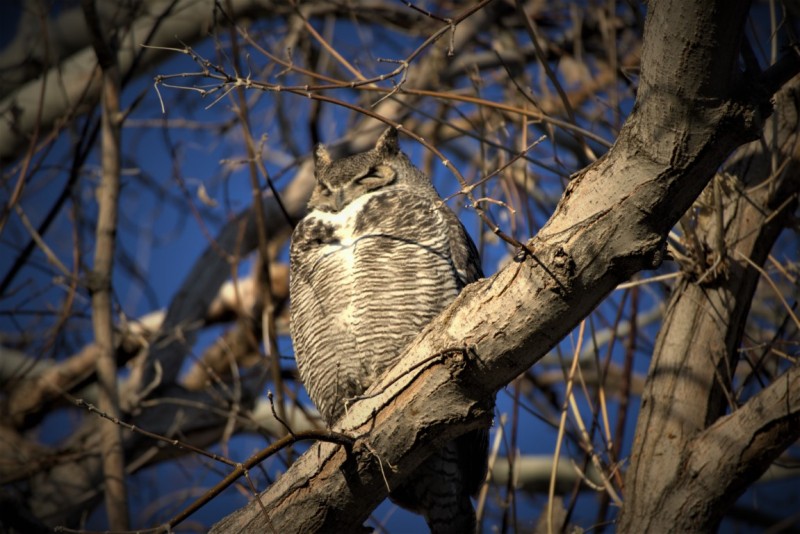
(736, 450)
(611, 222)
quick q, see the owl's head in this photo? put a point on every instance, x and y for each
(341, 181)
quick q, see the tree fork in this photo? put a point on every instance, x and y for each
(611, 222)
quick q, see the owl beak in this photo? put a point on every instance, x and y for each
(338, 199)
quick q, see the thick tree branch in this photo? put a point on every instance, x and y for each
(690, 382)
(610, 223)
(722, 461)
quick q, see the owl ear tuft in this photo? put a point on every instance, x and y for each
(387, 144)
(321, 156)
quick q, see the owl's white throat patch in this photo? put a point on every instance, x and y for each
(343, 222)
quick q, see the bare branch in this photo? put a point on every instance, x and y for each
(116, 497)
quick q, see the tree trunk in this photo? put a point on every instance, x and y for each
(690, 383)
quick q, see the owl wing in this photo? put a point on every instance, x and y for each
(463, 252)
(473, 447)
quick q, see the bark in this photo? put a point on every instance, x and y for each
(690, 383)
(692, 110)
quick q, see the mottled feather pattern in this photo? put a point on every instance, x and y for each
(377, 257)
(372, 294)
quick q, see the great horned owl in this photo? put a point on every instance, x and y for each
(377, 257)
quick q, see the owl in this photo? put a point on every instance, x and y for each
(377, 257)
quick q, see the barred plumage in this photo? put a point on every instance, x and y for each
(377, 257)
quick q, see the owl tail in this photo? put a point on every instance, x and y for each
(437, 490)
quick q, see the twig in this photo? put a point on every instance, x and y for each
(534, 36)
(778, 292)
(277, 417)
(380, 465)
(561, 430)
(240, 468)
(80, 403)
(267, 298)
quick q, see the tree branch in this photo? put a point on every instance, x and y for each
(611, 222)
(100, 283)
(690, 381)
(735, 451)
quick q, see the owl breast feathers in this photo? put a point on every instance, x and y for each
(377, 257)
